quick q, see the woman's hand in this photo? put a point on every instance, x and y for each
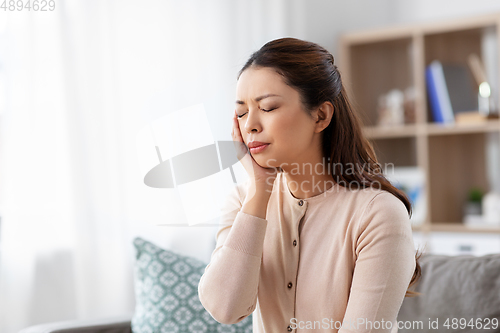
(262, 178)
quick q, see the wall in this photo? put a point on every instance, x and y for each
(325, 20)
(424, 10)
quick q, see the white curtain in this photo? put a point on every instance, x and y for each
(80, 82)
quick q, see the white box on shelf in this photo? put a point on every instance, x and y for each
(452, 244)
(411, 180)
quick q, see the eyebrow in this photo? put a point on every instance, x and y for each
(258, 99)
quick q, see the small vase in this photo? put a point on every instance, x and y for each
(473, 208)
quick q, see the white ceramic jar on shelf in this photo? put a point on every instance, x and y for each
(491, 208)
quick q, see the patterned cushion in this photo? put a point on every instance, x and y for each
(166, 291)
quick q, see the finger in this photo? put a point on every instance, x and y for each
(235, 122)
(234, 131)
(235, 118)
(237, 129)
(241, 148)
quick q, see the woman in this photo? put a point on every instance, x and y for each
(317, 238)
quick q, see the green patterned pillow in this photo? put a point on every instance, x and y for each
(166, 291)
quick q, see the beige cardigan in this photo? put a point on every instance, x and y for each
(340, 261)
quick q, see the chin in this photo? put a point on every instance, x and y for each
(266, 162)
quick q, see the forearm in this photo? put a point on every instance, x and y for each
(228, 288)
(229, 285)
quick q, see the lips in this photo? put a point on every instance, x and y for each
(255, 144)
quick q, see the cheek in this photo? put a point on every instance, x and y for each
(293, 132)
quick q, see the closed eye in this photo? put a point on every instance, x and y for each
(240, 116)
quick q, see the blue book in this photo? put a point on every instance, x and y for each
(437, 91)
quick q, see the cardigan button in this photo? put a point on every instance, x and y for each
(289, 328)
(290, 285)
(294, 242)
(301, 202)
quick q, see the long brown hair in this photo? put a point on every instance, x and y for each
(310, 69)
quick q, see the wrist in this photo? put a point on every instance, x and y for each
(256, 202)
(260, 190)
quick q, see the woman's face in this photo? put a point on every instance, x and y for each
(270, 111)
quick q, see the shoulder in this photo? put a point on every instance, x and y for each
(382, 200)
(370, 200)
(384, 226)
(385, 212)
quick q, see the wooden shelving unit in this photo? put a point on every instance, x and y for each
(453, 157)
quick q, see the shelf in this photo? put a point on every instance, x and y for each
(454, 157)
(380, 68)
(454, 227)
(395, 152)
(460, 227)
(379, 132)
(457, 163)
(484, 127)
(432, 129)
(405, 30)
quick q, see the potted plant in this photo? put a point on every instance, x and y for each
(473, 205)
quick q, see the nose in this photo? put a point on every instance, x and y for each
(253, 123)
